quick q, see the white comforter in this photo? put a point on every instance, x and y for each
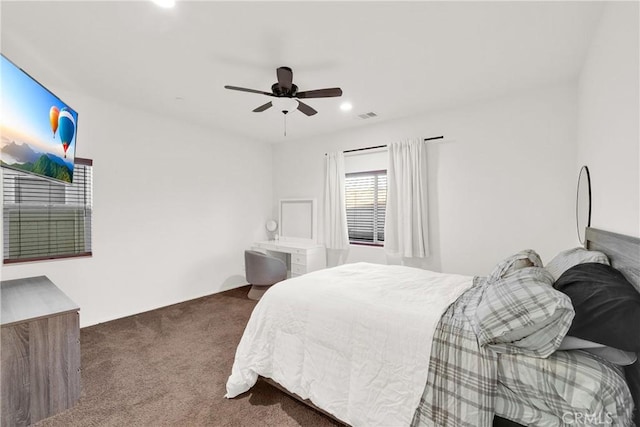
(354, 339)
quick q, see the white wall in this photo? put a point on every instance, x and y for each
(175, 206)
(502, 181)
(609, 120)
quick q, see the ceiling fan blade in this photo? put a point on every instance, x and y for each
(263, 107)
(285, 77)
(320, 93)
(304, 108)
(244, 89)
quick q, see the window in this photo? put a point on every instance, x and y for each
(366, 197)
(44, 219)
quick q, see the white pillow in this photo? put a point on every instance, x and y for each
(575, 343)
(613, 355)
(570, 257)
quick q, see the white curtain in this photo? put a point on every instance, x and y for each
(405, 231)
(336, 234)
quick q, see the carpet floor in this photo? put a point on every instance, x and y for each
(169, 367)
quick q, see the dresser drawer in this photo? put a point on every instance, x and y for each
(298, 269)
(298, 259)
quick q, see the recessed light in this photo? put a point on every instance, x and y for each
(346, 106)
(167, 4)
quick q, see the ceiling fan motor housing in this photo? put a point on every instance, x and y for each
(283, 91)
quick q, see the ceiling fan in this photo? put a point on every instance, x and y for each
(287, 95)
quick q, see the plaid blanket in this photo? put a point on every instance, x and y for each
(467, 382)
(463, 375)
(568, 387)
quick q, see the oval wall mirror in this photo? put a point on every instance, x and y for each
(583, 203)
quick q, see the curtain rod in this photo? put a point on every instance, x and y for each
(384, 146)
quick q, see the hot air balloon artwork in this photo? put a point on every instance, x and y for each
(39, 130)
(53, 118)
(67, 127)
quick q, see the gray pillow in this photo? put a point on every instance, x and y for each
(571, 257)
(522, 313)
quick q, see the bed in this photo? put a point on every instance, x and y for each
(363, 356)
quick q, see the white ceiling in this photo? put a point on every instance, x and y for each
(393, 58)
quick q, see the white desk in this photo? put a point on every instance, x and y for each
(300, 257)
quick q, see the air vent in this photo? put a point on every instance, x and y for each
(367, 115)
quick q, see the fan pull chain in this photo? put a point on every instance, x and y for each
(285, 124)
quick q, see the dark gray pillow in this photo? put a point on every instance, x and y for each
(607, 306)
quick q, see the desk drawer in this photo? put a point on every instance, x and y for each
(297, 269)
(298, 259)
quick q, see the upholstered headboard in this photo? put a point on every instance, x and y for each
(624, 254)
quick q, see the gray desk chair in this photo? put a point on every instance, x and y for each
(262, 271)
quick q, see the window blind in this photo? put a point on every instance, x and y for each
(44, 219)
(365, 199)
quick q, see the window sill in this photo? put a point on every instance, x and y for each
(376, 245)
(46, 258)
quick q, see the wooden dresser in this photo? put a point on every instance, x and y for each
(40, 351)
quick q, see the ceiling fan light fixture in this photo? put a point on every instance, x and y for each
(285, 104)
